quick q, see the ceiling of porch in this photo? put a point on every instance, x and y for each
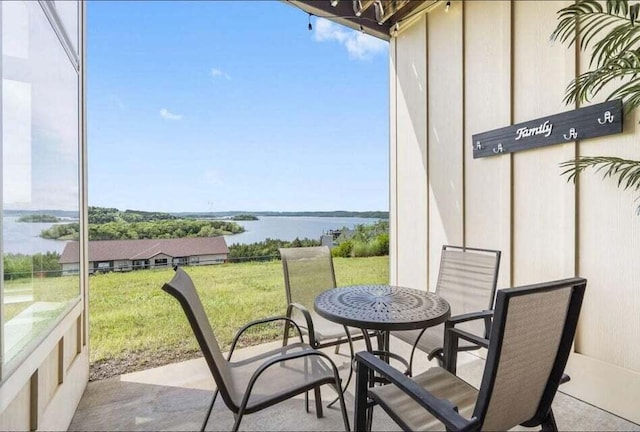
(379, 18)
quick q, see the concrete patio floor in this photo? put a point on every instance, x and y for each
(176, 397)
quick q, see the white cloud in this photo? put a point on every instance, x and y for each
(218, 73)
(164, 113)
(359, 45)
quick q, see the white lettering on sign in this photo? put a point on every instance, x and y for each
(608, 118)
(572, 134)
(545, 128)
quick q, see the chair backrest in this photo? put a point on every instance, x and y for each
(182, 288)
(308, 271)
(533, 330)
(467, 279)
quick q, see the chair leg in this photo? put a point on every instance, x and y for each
(206, 419)
(337, 350)
(361, 412)
(413, 351)
(306, 401)
(549, 423)
(352, 356)
(369, 418)
(318, 397)
(343, 408)
(236, 425)
(285, 337)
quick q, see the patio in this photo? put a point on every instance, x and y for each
(176, 396)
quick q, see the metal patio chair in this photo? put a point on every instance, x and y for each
(255, 383)
(530, 342)
(308, 271)
(467, 280)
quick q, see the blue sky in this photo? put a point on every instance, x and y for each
(232, 105)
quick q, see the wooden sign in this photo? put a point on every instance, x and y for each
(588, 122)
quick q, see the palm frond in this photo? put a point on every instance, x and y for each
(615, 42)
(624, 68)
(627, 171)
(615, 57)
(579, 20)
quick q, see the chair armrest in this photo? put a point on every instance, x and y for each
(394, 356)
(442, 409)
(470, 317)
(461, 334)
(450, 349)
(307, 316)
(247, 326)
(279, 359)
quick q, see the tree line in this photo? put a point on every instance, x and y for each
(101, 215)
(363, 241)
(17, 266)
(267, 249)
(161, 229)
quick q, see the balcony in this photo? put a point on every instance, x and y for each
(176, 397)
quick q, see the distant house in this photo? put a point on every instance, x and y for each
(126, 255)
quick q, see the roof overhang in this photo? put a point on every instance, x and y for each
(379, 18)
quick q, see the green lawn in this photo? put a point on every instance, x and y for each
(130, 314)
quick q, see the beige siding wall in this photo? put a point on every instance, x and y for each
(44, 390)
(211, 259)
(487, 106)
(411, 157)
(485, 65)
(444, 138)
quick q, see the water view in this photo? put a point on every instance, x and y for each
(24, 237)
(290, 227)
(21, 237)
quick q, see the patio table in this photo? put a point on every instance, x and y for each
(382, 308)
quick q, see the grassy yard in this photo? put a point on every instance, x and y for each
(134, 324)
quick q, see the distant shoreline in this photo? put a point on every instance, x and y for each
(337, 213)
(221, 214)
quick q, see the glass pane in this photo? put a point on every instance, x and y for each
(68, 13)
(40, 180)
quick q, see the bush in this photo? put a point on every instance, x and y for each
(266, 249)
(343, 250)
(17, 266)
(378, 246)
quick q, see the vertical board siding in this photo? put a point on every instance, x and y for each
(487, 80)
(17, 415)
(393, 164)
(489, 66)
(543, 202)
(609, 255)
(70, 346)
(48, 379)
(411, 153)
(445, 133)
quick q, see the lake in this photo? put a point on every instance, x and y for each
(290, 227)
(21, 237)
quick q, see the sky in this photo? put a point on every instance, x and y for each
(233, 105)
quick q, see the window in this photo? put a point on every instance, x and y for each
(180, 261)
(160, 262)
(40, 177)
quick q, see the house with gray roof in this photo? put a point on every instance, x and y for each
(126, 255)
